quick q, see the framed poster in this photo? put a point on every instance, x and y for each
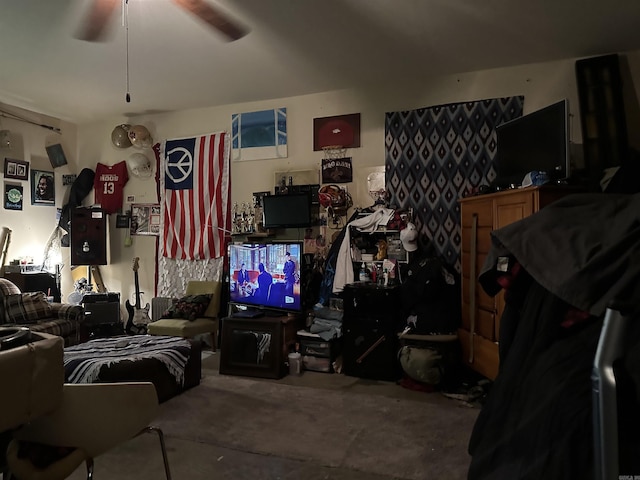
(339, 130)
(145, 219)
(12, 197)
(68, 179)
(337, 170)
(56, 155)
(16, 169)
(122, 221)
(42, 188)
(259, 135)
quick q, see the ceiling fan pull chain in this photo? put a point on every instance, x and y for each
(125, 17)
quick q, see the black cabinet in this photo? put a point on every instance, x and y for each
(602, 114)
(35, 282)
(371, 322)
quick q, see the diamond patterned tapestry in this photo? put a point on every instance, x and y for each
(435, 154)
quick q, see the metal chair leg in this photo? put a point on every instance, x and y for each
(604, 394)
(89, 463)
(165, 459)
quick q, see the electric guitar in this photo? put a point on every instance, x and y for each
(138, 317)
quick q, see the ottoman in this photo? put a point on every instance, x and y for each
(172, 364)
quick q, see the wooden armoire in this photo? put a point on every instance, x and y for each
(479, 215)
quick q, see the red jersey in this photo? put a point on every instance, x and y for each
(109, 183)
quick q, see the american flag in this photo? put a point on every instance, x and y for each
(195, 204)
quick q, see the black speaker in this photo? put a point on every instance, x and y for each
(88, 236)
(602, 114)
(100, 313)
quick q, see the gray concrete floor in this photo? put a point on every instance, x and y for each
(140, 457)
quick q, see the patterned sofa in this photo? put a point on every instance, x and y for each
(31, 309)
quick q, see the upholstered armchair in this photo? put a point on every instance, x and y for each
(31, 309)
(55, 427)
(185, 318)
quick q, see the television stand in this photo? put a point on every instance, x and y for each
(257, 347)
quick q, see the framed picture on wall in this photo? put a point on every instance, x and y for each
(12, 196)
(259, 135)
(56, 155)
(145, 219)
(16, 169)
(42, 188)
(339, 130)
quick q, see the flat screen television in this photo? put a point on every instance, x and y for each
(287, 211)
(538, 141)
(263, 278)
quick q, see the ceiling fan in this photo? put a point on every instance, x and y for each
(100, 11)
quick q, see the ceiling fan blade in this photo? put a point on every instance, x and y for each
(214, 17)
(97, 19)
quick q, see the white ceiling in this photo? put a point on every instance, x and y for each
(295, 47)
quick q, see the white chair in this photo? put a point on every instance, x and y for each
(88, 418)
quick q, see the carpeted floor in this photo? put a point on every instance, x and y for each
(315, 426)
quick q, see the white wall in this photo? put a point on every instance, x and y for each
(541, 84)
(32, 226)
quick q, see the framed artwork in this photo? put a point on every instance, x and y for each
(259, 135)
(342, 130)
(145, 219)
(68, 179)
(12, 197)
(337, 170)
(16, 169)
(56, 155)
(122, 221)
(42, 188)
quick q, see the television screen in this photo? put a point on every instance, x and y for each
(265, 277)
(538, 141)
(284, 211)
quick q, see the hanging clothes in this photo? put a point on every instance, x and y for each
(344, 267)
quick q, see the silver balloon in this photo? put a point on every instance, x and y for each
(120, 136)
(140, 136)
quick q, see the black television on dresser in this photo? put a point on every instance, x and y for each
(291, 210)
(538, 141)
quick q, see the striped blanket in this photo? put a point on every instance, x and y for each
(82, 363)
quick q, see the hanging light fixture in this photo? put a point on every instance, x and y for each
(125, 19)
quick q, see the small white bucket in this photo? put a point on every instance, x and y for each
(295, 363)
